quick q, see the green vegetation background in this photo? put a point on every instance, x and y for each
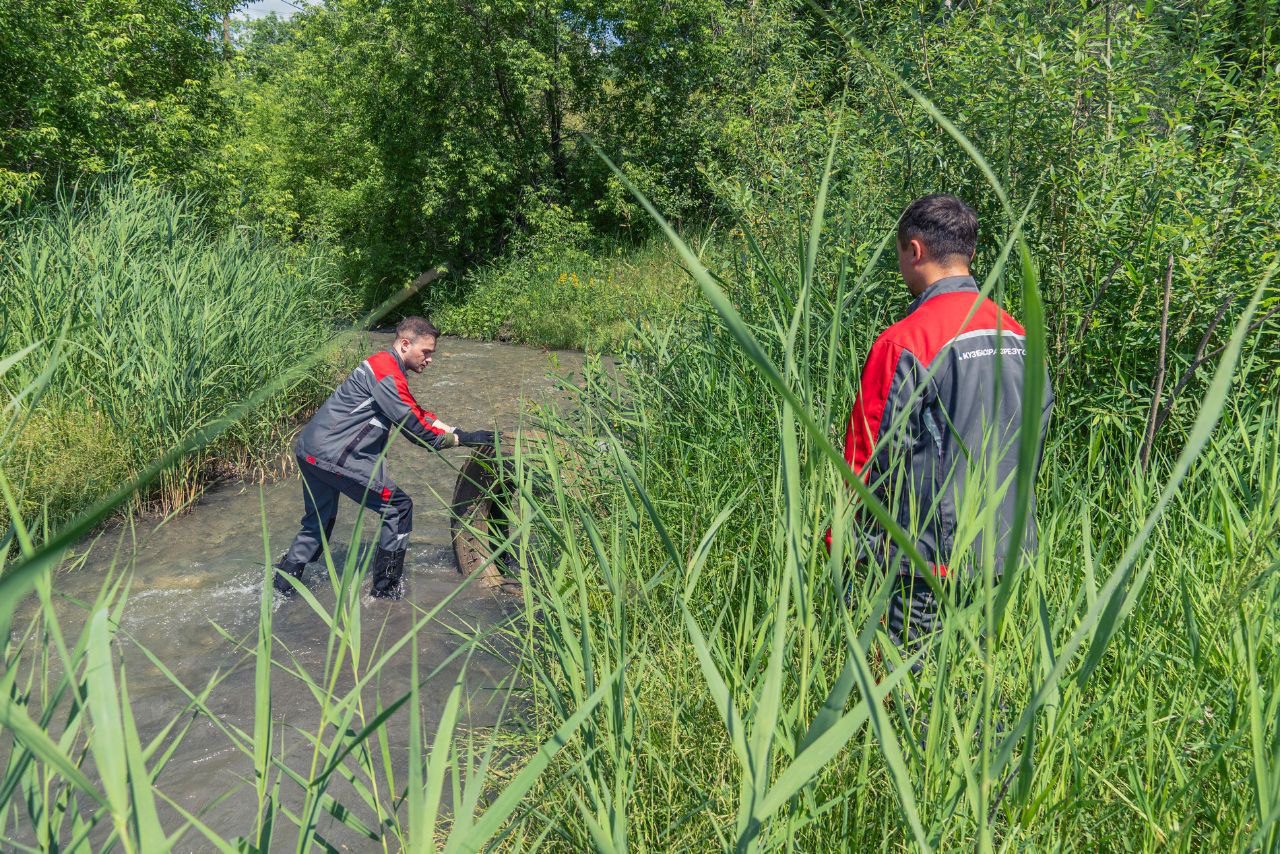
(395, 137)
(190, 200)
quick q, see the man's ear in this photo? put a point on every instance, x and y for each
(917, 250)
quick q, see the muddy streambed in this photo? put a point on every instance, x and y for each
(205, 568)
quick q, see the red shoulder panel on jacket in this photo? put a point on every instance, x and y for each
(934, 324)
(384, 365)
(863, 429)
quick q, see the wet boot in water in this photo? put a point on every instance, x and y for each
(388, 568)
(283, 568)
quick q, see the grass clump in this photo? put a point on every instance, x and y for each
(56, 453)
(560, 287)
(1124, 698)
(145, 323)
(1116, 690)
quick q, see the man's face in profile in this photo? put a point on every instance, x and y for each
(416, 352)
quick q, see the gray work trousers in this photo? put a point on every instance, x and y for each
(912, 617)
(320, 492)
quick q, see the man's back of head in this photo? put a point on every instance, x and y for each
(937, 236)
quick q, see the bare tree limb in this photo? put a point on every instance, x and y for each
(1202, 357)
(1150, 436)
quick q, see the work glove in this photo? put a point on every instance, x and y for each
(477, 438)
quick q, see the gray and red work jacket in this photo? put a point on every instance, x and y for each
(349, 433)
(935, 427)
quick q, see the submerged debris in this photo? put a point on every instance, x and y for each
(480, 522)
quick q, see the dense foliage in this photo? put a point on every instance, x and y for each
(134, 323)
(418, 133)
(85, 83)
(1143, 140)
(412, 134)
(1137, 134)
(700, 671)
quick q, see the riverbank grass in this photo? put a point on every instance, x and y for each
(1119, 691)
(146, 322)
(563, 296)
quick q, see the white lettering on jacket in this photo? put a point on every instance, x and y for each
(991, 351)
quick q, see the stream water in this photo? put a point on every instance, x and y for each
(196, 580)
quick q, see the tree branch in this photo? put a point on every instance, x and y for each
(1149, 439)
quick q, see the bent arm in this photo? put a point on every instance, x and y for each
(870, 408)
(392, 396)
(873, 410)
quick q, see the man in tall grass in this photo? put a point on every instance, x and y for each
(935, 427)
(340, 452)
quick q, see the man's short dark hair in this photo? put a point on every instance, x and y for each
(416, 327)
(944, 224)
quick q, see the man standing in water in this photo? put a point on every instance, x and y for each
(340, 452)
(939, 412)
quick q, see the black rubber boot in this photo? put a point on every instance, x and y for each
(388, 568)
(283, 568)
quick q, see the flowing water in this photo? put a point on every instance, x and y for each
(196, 582)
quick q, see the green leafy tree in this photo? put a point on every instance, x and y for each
(412, 133)
(86, 83)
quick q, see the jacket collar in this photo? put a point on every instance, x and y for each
(945, 285)
(396, 356)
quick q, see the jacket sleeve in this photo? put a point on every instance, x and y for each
(873, 411)
(887, 384)
(392, 396)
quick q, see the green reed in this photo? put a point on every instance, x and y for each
(1118, 691)
(700, 671)
(76, 775)
(166, 322)
(1076, 701)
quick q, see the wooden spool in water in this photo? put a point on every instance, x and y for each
(478, 523)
